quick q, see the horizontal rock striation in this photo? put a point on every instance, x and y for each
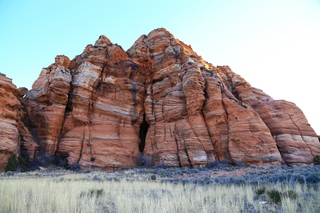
(159, 103)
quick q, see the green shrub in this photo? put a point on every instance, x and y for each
(16, 164)
(274, 196)
(316, 160)
(260, 191)
(313, 178)
(92, 192)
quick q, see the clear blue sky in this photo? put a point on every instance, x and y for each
(274, 44)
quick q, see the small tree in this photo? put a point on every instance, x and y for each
(16, 164)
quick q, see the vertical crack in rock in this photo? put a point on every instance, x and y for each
(226, 153)
(177, 144)
(135, 113)
(82, 144)
(143, 134)
(294, 123)
(281, 154)
(183, 154)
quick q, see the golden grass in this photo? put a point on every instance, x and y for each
(75, 194)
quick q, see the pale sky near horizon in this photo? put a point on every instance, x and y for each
(273, 44)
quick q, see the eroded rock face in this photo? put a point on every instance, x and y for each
(9, 116)
(194, 117)
(46, 102)
(106, 107)
(200, 113)
(296, 140)
(90, 109)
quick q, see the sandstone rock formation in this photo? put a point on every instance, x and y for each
(90, 109)
(193, 115)
(107, 107)
(9, 117)
(46, 103)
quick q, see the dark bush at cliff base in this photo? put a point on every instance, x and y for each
(316, 160)
(73, 167)
(144, 161)
(254, 175)
(16, 164)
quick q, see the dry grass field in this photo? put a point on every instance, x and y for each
(223, 190)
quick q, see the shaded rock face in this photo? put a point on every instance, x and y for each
(107, 107)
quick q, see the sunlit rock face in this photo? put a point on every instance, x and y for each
(193, 110)
(159, 100)
(105, 109)
(46, 102)
(10, 114)
(296, 140)
(90, 109)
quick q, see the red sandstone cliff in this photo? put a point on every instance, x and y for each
(193, 113)
(9, 114)
(105, 106)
